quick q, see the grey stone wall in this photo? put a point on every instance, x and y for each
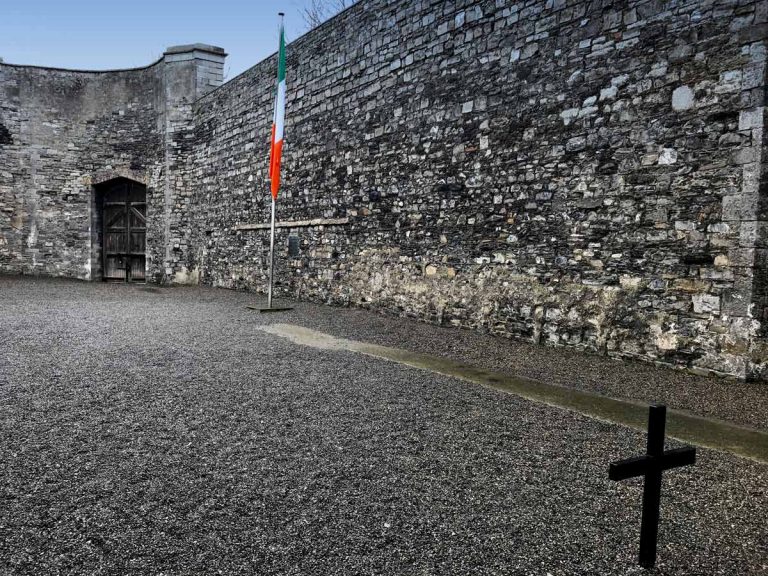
(191, 71)
(62, 127)
(574, 173)
(63, 131)
(586, 174)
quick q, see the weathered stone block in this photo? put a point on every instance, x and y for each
(682, 98)
(668, 156)
(706, 303)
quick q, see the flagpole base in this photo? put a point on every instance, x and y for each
(270, 309)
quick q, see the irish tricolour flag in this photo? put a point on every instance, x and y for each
(278, 121)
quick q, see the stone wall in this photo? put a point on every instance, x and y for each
(190, 72)
(588, 174)
(63, 131)
(62, 128)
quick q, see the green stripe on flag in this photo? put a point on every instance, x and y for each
(281, 58)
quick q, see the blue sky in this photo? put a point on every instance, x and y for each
(104, 34)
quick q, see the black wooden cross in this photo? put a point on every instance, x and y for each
(651, 466)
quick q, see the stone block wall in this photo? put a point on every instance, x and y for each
(64, 131)
(586, 174)
(189, 72)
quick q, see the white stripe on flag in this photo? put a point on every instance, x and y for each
(280, 112)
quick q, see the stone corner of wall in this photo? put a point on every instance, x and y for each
(208, 64)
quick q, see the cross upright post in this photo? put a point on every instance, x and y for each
(649, 525)
(655, 461)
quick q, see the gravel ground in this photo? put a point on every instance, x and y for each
(744, 403)
(156, 431)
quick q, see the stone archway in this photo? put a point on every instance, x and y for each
(104, 176)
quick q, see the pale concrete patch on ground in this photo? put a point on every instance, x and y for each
(717, 434)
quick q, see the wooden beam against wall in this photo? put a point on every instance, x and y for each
(296, 224)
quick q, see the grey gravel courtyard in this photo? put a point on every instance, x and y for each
(158, 431)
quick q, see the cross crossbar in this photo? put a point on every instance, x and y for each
(641, 465)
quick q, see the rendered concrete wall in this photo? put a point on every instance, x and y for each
(574, 173)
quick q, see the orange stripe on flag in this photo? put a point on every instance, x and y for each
(277, 151)
(272, 151)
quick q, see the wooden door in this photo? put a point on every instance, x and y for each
(125, 232)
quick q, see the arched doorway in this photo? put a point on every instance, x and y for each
(122, 207)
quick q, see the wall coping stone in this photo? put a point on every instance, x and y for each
(182, 48)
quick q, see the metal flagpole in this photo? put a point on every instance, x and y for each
(278, 122)
(271, 256)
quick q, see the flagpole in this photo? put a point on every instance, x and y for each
(274, 166)
(272, 227)
(271, 255)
